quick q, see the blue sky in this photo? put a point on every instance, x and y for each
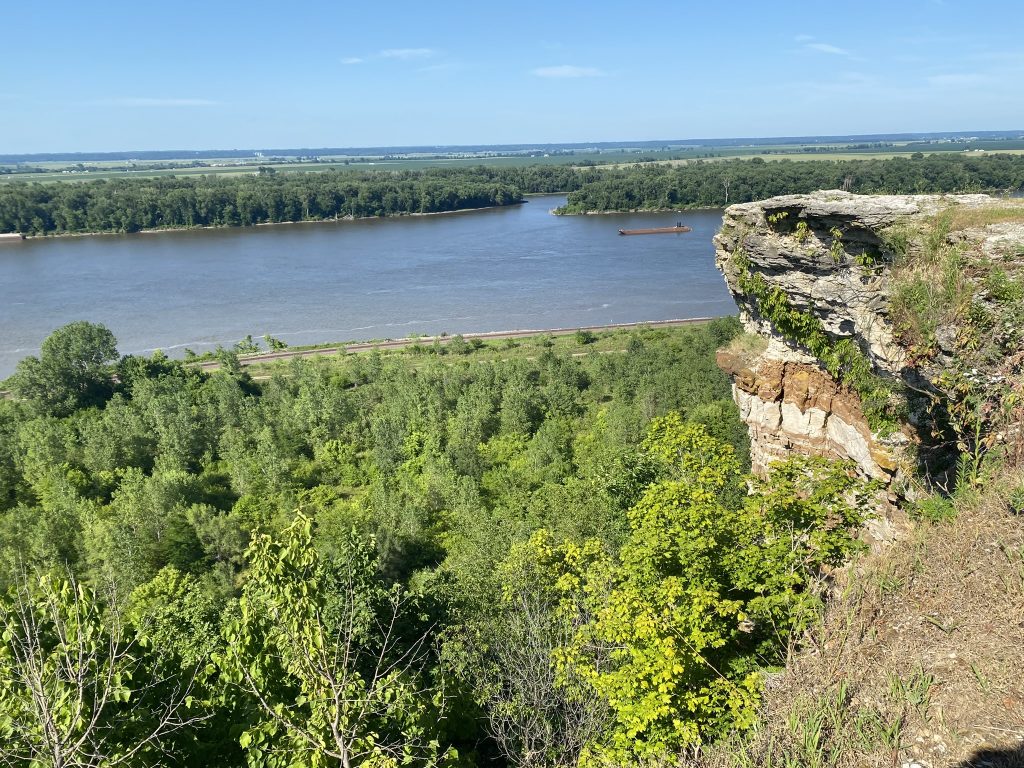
(163, 74)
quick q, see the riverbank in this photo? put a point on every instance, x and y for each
(355, 347)
(515, 267)
(613, 212)
(222, 227)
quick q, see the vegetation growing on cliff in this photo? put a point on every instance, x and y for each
(880, 397)
(943, 281)
(332, 564)
(958, 307)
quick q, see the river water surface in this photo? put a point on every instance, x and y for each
(502, 269)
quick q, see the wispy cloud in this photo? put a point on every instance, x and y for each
(812, 44)
(568, 70)
(405, 54)
(394, 54)
(957, 80)
(834, 50)
(147, 101)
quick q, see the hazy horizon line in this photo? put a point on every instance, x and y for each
(526, 145)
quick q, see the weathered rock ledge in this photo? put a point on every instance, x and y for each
(829, 256)
(790, 404)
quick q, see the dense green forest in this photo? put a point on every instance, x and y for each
(717, 184)
(536, 556)
(129, 205)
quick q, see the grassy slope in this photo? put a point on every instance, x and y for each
(918, 657)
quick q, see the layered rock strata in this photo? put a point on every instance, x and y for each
(826, 258)
(790, 403)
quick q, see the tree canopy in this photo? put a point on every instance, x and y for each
(715, 184)
(527, 554)
(74, 369)
(132, 204)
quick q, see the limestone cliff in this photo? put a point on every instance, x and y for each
(877, 323)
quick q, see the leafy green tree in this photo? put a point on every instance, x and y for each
(317, 646)
(539, 712)
(247, 346)
(172, 612)
(43, 443)
(8, 454)
(133, 369)
(276, 345)
(77, 689)
(74, 369)
(46, 535)
(668, 610)
(180, 615)
(708, 585)
(144, 529)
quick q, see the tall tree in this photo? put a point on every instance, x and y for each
(74, 369)
(317, 646)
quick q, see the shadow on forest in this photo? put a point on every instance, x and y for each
(1002, 757)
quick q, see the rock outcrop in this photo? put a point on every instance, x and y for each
(790, 403)
(813, 276)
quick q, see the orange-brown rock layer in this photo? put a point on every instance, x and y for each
(796, 406)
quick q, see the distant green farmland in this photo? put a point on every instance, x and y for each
(65, 171)
(62, 171)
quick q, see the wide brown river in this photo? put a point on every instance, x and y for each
(503, 269)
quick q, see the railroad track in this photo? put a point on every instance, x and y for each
(369, 346)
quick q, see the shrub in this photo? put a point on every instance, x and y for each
(934, 509)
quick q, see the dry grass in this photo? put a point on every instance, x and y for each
(964, 217)
(747, 345)
(920, 656)
(958, 275)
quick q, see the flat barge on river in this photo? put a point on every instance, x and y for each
(677, 229)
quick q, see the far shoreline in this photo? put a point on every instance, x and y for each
(163, 230)
(526, 198)
(623, 212)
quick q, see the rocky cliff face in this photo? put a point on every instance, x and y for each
(828, 368)
(790, 403)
